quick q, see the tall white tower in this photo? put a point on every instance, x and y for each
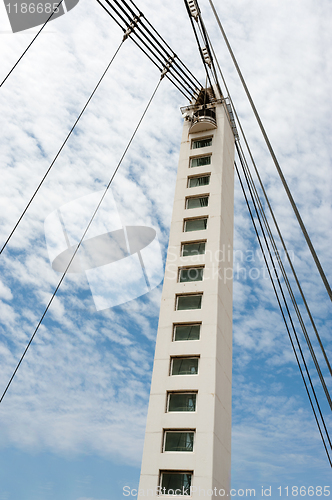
(187, 449)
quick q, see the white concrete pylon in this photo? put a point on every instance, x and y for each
(187, 449)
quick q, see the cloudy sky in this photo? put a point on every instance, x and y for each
(73, 421)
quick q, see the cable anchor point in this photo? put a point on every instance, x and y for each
(193, 9)
(167, 66)
(131, 26)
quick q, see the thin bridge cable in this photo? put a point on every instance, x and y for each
(284, 299)
(80, 242)
(58, 153)
(28, 47)
(154, 45)
(198, 42)
(283, 271)
(281, 175)
(181, 66)
(283, 315)
(160, 42)
(274, 219)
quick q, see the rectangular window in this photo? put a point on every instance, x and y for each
(202, 143)
(203, 180)
(175, 483)
(182, 401)
(186, 302)
(195, 224)
(179, 441)
(191, 274)
(197, 202)
(200, 161)
(197, 248)
(184, 366)
(186, 332)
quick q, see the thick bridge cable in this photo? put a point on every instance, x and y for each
(259, 207)
(147, 51)
(152, 44)
(28, 47)
(198, 44)
(275, 223)
(182, 68)
(262, 218)
(184, 73)
(204, 45)
(284, 318)
(80, 242)
(268, 143)
(58, 153)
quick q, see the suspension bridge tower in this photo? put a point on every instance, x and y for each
(187, 449)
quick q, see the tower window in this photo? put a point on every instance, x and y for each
(175, 483)
(186, 302)
(191, 274)
(195, 224)
(200, 161)
(184, 366)
(203, 180)
(187, 332)
(179, 441)
(202, 143)
(181, 401)
(196, 248)
(197, 202)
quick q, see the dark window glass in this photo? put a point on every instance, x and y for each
(185, 302)
(182, 402)
(187, 332)
(199, 181)
(179, 441)
(200, 161)
(184, 366)
(175, 483)
(202, 143)
(200, 201)
(195, 225)
(191, 274)
(193, 248)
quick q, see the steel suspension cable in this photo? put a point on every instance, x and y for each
(58, 153)
(28, 47)
(250, 180)
(207, 41)
(198, 44)
(259, 216)
(268, 143)
(187, 70)
(184, 91)
(132, 21)
(283, 271)
(274, 219)
(178, 75)
(81, 240)
(282, 293)
(168, 75)
(282, 313)
(267, 246)
(200, 29)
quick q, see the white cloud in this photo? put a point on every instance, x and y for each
(5, 292)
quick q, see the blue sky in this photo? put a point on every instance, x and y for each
(73, 421)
